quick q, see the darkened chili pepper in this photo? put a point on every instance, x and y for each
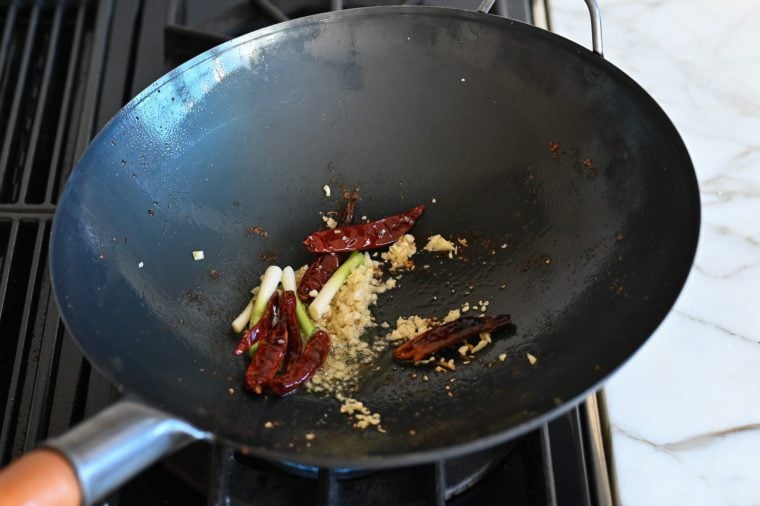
(268, 358)
(366, 236)
(313, 356)
(324, 266)
(288, 313)
(318, 273)
(449, 334)
(260, 328)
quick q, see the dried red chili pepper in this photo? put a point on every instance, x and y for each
(318, 273)
(288, 313)
(324, 266)
(260, 328)
(449, 334)
(268, 358)
(313, 356)
(366, 236)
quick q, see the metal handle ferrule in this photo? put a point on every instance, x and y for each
(119, 442)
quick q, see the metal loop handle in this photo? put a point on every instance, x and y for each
(596, 26)
(596, 22)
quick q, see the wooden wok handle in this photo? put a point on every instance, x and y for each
(40, 478)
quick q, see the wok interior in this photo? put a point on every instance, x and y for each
(409, 106)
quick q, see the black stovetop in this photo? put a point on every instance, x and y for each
(66, 67)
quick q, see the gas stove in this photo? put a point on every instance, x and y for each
(66, 67)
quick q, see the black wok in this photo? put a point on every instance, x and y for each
(573, 189)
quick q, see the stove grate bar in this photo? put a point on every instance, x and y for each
(94, 77)
(9, 152)
(550, 489)
(328, 489)
(571, 482)
(43, 99)
(31, 248)
(54, 183)
(42, 383)
(10, 16)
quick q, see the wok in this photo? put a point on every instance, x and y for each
(573, 189)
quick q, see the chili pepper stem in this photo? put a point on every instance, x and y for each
(321, 302)
(304, 322)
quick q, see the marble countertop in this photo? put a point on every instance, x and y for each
(685, 411)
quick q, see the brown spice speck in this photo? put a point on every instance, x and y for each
(554, 149)
(619, 237)
(268, 257)
(214, 274)
(589, 164)
(257, 230)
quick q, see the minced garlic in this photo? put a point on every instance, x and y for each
(481, 344)
(329, 221)
(362, 415)
(400, 252)
(346, 320)
(438, 243)
(407, 328)
(454, 314)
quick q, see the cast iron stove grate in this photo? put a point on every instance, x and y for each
(65, 68)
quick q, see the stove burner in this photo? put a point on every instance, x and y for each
(239, 478)
(341, 473)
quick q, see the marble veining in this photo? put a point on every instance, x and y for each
(685, 411)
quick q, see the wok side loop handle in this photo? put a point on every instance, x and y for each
(485, 6)
(596, 26)
(119, 442)
(594, 11)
